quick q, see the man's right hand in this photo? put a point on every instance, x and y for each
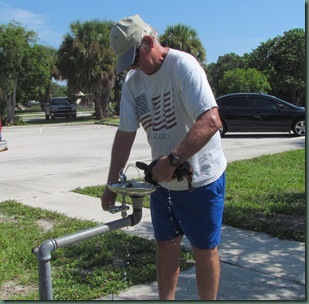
(108, 199)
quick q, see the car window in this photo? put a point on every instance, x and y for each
(233, 102)
(265, 103)
(60, 102)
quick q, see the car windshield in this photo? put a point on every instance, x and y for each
(60, 102)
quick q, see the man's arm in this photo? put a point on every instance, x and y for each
(206, 125)
(120, 154)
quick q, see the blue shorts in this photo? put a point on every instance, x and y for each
(197, 214)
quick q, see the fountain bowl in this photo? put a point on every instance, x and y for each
(132, 188)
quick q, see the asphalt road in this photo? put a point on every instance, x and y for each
(51, 158)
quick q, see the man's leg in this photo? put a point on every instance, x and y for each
(207, 272)
(168, 267)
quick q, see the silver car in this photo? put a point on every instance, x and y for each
(60, 107)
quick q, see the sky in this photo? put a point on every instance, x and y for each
(223, 26)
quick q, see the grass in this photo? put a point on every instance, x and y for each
(87, 270)
(60, 120)
(110, 120)
(264, 194)
(267, 194)
(35, 116)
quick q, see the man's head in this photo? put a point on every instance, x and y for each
(126, 36)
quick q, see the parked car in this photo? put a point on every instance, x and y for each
(258, 112)
(60, 107)
(32, 103)
(3, 143)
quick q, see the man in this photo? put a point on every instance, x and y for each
(167, 92)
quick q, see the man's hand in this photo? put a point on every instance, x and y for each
(108, 199)
(163, 171)
(182, 171)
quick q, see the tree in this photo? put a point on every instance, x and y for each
(184, 38)
(57, 90)
(282, 59)
(37, 72)
(14, 45)
(243, 80)
(215, 71)
(87, 61)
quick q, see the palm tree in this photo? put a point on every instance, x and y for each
(87, 61)
(184, 38)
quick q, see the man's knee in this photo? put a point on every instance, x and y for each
(169, 244)
(205, 253)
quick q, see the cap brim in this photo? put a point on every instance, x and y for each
(126, 60)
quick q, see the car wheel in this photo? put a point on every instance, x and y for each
(47, 116)
(299, 127)
(223, 129)
(73, 116)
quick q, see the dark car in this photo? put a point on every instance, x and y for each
(258, 112)
(60, 107)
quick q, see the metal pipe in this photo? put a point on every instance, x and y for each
(45, 284)
(91, 232)
(43, 252)
(137, 203)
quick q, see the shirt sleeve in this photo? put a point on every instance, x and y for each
(195, 89)
(129, 121)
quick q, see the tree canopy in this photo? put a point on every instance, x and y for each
(25, 68)
(282, 60)
(184, 38)
(87, 61)
(243, 80)
(15, 42)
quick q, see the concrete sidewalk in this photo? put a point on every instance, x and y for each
(254, 266)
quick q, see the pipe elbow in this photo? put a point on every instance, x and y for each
(43, 252)
(137, 203)
(136, 216)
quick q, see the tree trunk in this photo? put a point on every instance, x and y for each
(11, 101)
(105, 102)
(10, 110)
(98, 108)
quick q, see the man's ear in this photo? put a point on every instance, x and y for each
(147, 43)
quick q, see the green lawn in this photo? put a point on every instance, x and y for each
(264, 194)
(36, 116)
(87, 270)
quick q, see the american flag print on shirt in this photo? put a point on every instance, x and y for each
(164, 116)
(143, 111)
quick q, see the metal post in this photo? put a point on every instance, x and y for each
(45, 284)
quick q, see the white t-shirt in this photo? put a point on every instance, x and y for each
(167, 104)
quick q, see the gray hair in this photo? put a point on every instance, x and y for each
(152, 32)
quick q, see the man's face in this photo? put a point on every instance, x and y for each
(144, 58)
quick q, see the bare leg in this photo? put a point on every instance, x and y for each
(207, 272)
(168, 267)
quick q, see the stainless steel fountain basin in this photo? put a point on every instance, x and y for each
(132, 188)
